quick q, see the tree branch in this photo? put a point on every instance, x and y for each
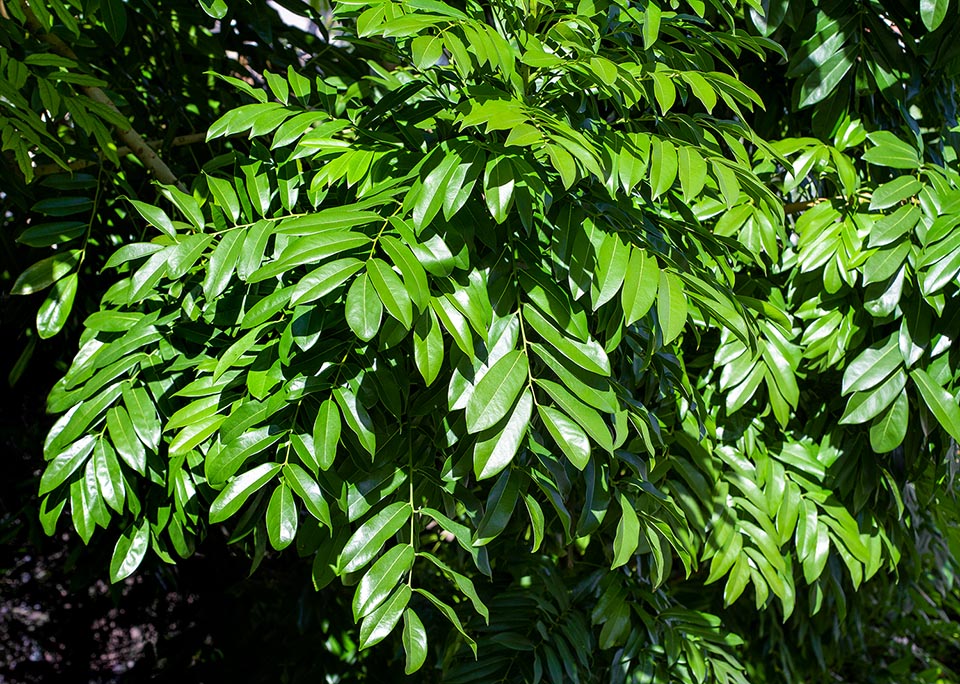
(180, 140)
(133, 140)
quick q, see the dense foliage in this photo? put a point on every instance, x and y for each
(569, 341)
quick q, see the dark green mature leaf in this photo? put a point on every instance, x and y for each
(872, 366)
(890, 151)
(414, 641)
(827, 76)
(391, 291)
(493, 453)
(358, 420)
(498, 187)
(55, 310)
(281, 518)
(66, 464)
(499, 508)
(628, 534)
(239, 489)
(378, 624)
(326, 433)
(369, 538)
(497, 391)
(364, 308)
(888, 431)
(300, 482)
(588, 355)
(942, 404)
(45, 272)
(381, 579)
(569, 436)
(130, 550)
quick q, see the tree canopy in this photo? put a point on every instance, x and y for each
(564, 341)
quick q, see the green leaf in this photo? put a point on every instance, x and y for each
(155, 216)
(862, 406)
(414, 641)
(391, 291)
(300, 481)
(369, 538)
(569, 436)
(143, 416)
(381, 579)
(894, 191)
(378, 624)
(114, 18)
(497, 391)
(66, 464)
(493, 453)
(499, 508)
(639, 285)
(281, 518)
(628, 534)
(671, 306)
(890, 151)
(588, 355)
(125, 440)
(239, 489)
(941, 403)
(129, 552)
(326, 433)
(55, 310)
(47, 234)
(109, 476)
(498, 185)
(824, 79)
(323, 280)
(222, 264)
(363, 308)
(358, 420)
(428, 347)
(889, 430)
(45, 272)
(933, 12)
(872, 366)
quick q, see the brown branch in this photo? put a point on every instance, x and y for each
(797, 207)
(133, 140)
(180, 140)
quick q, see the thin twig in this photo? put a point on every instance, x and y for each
(133, 140)
(180, 140)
